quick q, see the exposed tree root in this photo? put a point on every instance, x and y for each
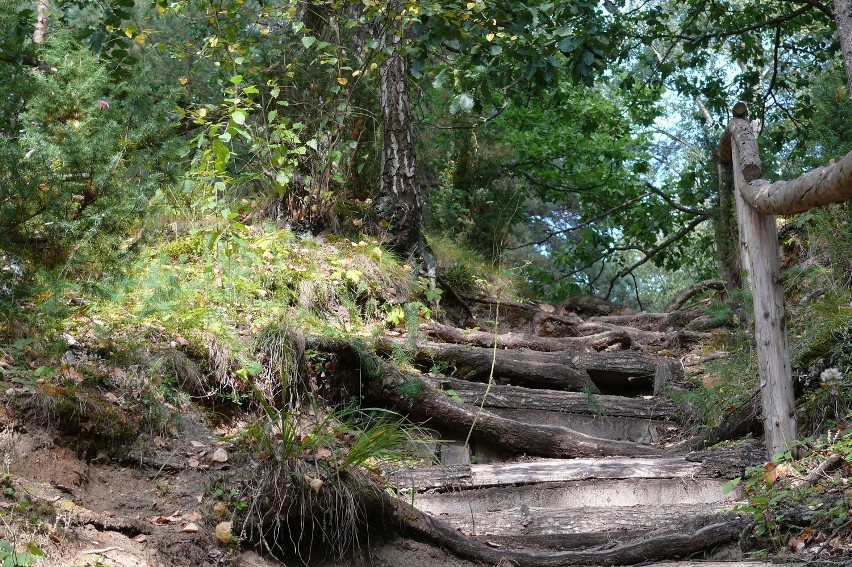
(559, 370)
(693, 290)
(407, 519)
(421, 397)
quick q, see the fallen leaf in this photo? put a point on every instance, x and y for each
(223, 532)
(190, 528)
(141, 538)
(219, 456)
(197, 444)
(316, 484)
(220, 509)
(796, 544)
(111, 398)
(192, 517)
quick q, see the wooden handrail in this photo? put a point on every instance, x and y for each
(757, 202)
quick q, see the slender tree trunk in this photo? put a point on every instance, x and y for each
(399, 203)
(843, 20)
(42, 12)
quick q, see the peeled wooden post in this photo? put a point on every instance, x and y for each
(760, 256)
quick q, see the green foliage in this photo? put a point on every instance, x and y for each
(411, 388)
(777, 489)
(11, 558)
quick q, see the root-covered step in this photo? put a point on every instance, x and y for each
(572, 528)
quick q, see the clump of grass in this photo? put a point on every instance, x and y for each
(465, 270)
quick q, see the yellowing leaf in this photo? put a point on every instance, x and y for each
(490, 37)
(342, 80)
(202, 112)
(183, 80)
(140, 39)
(471, 5)
(223, 532)
(264, 31)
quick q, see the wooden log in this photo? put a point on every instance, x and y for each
(595, 342)
(816, 188)
(423, 399)
(523, 368)
(759, 251)
(527, 399)
(561, 370)
(570, 528)
(407, 519)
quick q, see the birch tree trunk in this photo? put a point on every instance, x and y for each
(399, 203)
(42, 13)
(843, 21)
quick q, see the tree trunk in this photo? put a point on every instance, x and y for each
(42, 13)
(843, 20)
(399, 203)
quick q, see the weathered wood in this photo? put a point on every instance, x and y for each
(406, 518)
(571, 528)
(595, 342)
(527, 399)
(816, 188)
(746, 159)
(729, 461)
(664, 374)
(580, 494)
(423, 399)
(526, 368)
(429, 477)
(561, 470)
(759, 250)
(559, 370)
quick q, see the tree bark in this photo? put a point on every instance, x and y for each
(399, 203)
(563, 370)
(595, 342)
(41, 24)
(843, 20)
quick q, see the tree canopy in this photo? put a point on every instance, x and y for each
(573, 139)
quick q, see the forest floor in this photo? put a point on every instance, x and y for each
(129, 436)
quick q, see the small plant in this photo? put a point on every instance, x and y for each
(11, 558)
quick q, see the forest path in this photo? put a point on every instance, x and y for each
(603, 476)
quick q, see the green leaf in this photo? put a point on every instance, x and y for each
(312, 143)
(308, 41)
(461, 103)
(239, 117)
(731, 484)
(237, 79)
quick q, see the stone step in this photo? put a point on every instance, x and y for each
(577, 494)
(571, 528)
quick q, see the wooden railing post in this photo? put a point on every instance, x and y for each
(759, 254)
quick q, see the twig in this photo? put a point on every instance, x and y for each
(102, 550)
